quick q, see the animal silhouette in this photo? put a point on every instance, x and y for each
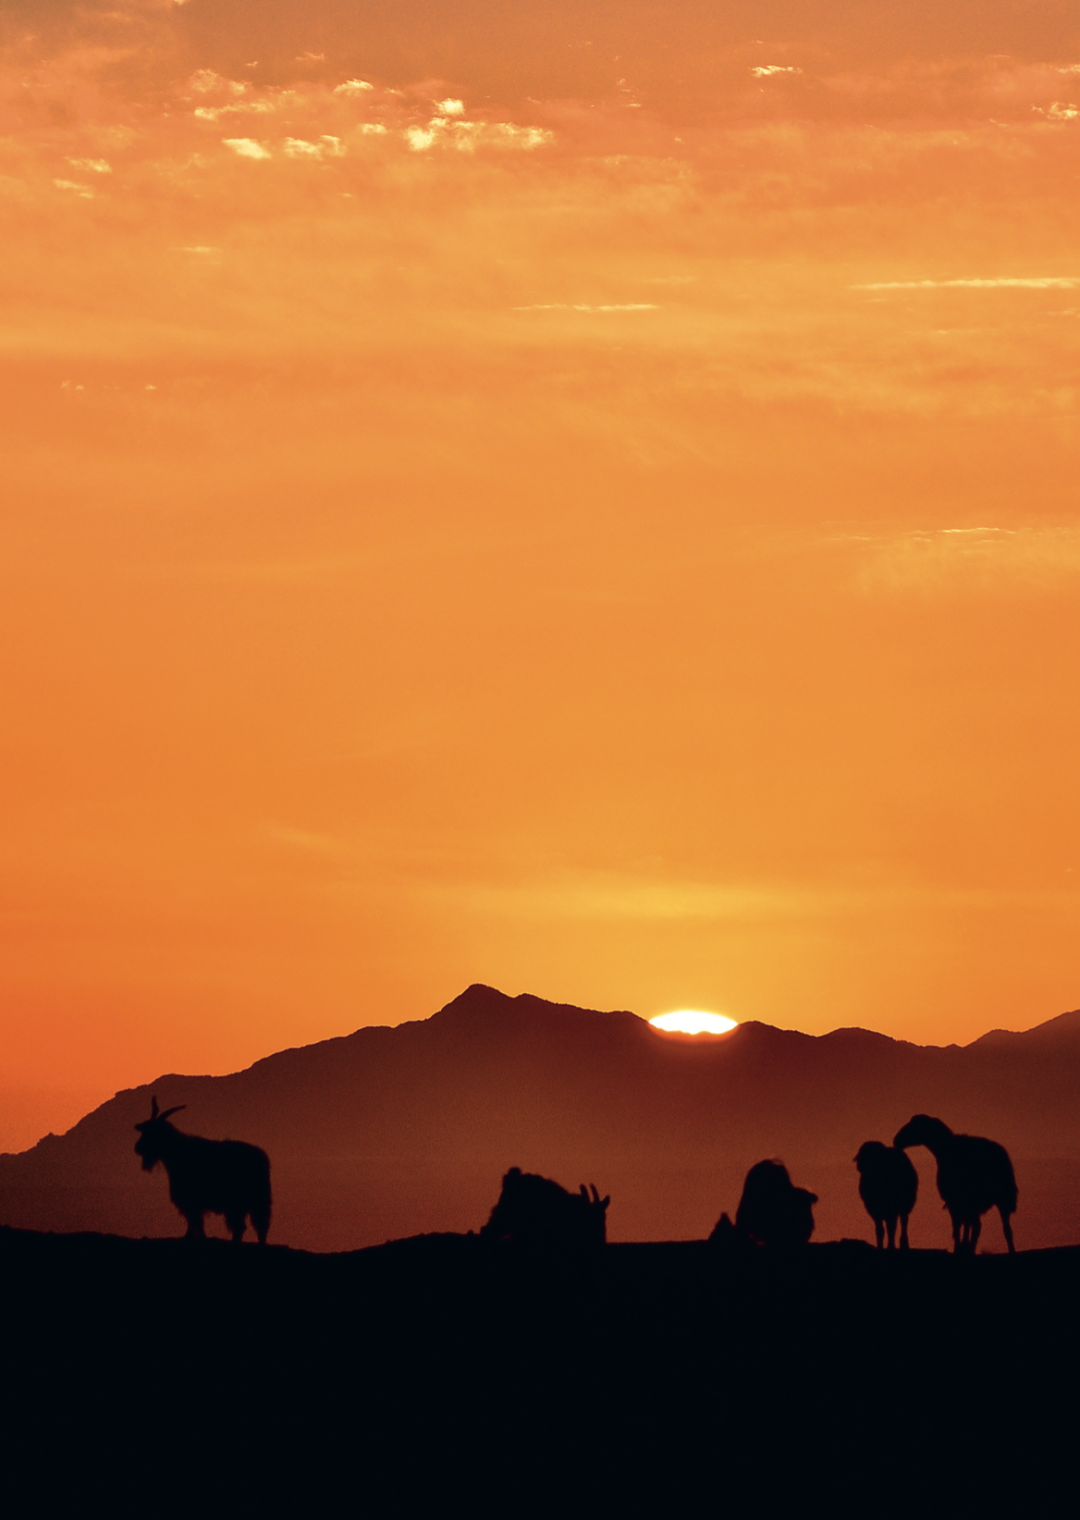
(226, 1177)
(534, 1210)
(973, 1175)
(772, 1212)
(888, 1187)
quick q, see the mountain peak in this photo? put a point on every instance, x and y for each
(480, 1003)
(1062, 1030)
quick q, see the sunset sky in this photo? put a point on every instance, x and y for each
(579, 497)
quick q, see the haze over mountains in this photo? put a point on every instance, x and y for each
(391, 1132)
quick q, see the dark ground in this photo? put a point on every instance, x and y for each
(446, 1374)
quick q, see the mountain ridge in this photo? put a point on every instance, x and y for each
(398, 1130)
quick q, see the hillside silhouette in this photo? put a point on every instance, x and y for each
(660, 1379)
(392, 1132)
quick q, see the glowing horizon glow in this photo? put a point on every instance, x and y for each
(693, 1021)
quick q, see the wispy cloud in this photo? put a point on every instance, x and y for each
(207, 82)
(246, 107)
(298, 147)
(566, 306)
(247, 147)
(451, 131)
(603, 896)
(981, 558)
(609, 896)
(304, 840)
(1036, 282)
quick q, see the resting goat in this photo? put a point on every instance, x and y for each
(536, 1211)
(888, 1187)
(772, 1212)
(208, 1176)
(973, 1175)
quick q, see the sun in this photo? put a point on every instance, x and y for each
(693, 1021)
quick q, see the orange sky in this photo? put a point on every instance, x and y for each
(578, 498)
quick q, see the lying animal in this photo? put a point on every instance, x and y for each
(225, 1177)
(536, 1211)
(772, 1212)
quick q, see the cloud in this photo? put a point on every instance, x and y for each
(297, 147)
(766, 70)
(450, 107)
(211, 113)
(353, 87)
(91, 165)
(602, 896)
(981, 558)
(246, 147)
(1037, 282)
(305, 840)
(83, 191)
(519, 137)
(466, 136)
(566, 306)
(419, 139)
(598, 896)
(205, 82)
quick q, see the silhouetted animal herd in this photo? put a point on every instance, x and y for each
(974, 1175)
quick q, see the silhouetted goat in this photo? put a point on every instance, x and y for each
(888, 1186)
(208, 1176)
(536, 1211)
(772, 1211)
(973, 1175)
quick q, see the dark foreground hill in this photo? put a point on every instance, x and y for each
(391, 1132)
(449, 1374)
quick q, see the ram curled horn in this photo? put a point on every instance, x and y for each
(154, 1114)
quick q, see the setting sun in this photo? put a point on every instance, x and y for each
(693, 1021)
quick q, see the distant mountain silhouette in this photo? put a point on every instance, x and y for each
(391, 1132)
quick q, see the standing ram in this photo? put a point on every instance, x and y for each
(226, 1177)
(535, 1211)
(888, 1187)
(973, 1176)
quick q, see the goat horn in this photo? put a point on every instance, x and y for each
(170, 1111)
(153, 1107)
